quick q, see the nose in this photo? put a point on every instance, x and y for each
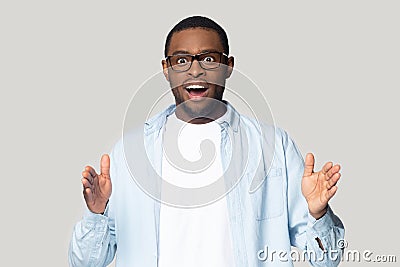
(196, 70)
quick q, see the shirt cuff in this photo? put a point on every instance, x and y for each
(92, 218)
(323, 225)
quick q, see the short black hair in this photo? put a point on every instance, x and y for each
(198, 22)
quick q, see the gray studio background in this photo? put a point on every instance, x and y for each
(68, 69)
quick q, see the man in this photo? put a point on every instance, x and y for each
(239, 229)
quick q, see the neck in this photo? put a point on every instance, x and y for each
(216, 112)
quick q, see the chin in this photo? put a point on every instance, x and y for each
(199, 108)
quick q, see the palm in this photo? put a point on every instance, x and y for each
(97, 187)
(319, 187)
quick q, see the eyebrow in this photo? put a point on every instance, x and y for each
(184, 52)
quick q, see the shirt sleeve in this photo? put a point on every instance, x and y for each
(93, 241)
(317, 238)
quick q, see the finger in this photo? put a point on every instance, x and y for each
(86, 183)
(91, 171)
(86, 175)
(332, 182)
(335, 169)
(331, 192)
(309, 164)
(87, 190)
(87, 194)
(327, 167)
(105, 165)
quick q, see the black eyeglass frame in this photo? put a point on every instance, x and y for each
(196, 57)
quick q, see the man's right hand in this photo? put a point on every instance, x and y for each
(97, 187)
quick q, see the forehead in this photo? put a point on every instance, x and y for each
(194, 41)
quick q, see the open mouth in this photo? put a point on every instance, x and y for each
(196, 90)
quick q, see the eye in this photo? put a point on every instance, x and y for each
(209, 59)
(181, 60)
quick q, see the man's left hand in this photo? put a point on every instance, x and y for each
(319, 187)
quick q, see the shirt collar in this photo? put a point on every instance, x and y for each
(231, 118)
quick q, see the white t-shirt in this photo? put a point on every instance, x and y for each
(194, 236)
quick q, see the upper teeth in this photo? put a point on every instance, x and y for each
(195, 87)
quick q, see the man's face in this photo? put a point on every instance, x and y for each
(197, 86)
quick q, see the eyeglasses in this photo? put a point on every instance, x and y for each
(207, 60)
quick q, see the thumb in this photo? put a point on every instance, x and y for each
(105, 165)
(309, 164)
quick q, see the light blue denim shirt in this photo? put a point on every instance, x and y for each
(264, 224)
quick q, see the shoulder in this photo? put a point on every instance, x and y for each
(265, 130)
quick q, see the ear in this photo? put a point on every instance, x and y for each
(165, 69)
(230, 63)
